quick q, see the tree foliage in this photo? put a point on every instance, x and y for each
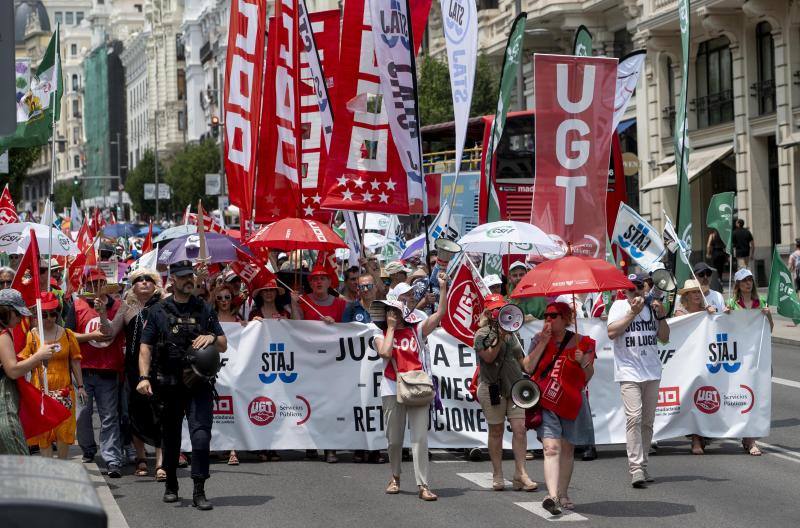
(19, 161)
(187, 172)
(144, 172)
(64, 191)
(435, 98)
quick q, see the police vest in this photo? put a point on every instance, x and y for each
(176, 338)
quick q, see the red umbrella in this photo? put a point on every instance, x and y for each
(571, 274)
(290, 234)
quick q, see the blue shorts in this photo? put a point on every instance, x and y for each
(555, 427)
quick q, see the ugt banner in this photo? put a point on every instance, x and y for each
(574, 100)
(306, 385)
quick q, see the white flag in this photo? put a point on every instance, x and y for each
(351, 237)
(391, 34)
(75, 219)
(440, 227)
(638, 238)
(461, 36)
(49, 215)
(628, 71)
(310, 49)
(672, 241)
(147, 261)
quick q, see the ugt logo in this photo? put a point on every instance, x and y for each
(721, 355)
(275, 364)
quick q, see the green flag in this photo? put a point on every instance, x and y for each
(41, 103)
(583, 42)
(781, 289)
(681, 141)
(720, 216)
(508, 79)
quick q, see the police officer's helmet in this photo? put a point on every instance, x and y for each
(205, 361)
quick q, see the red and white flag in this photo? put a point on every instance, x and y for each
(8, 210)
(242, 104)
(279, 185)
(147, 245)
(364, 171)
(574, 111)
(209, 222)
(464, 303)
(252, 270)
(26, 280)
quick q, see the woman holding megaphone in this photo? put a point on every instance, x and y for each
(501, 362)
(562, 363)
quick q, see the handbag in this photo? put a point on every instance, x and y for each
(414, 388)
(533, 415)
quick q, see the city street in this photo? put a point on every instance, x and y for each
(724, 488)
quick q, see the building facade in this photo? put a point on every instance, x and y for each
(134, 61)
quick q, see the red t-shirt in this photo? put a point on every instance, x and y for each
(334, 310)
(405, 351)
(562, 389)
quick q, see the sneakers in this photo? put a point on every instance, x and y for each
(87, 458)
(114, 472)
(638, 479)
(647, 476)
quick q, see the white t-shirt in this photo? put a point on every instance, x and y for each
(635, 350)
(713, 298)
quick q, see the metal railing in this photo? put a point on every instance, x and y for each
(444, 160)
(764, 92)
(713, 109)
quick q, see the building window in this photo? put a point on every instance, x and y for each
(76, 161)
(181, 120)
(764, 89)
(623, 43)
(69, 18)
(75, 85)
(78, 18)
(138, 7)
(181, 85)
(73, 49)
(76, 135)
(714, 103)
(76, 112)
(59, 17)
(180, 48)
(488, 4)
(668, 112)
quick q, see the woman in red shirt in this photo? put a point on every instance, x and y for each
(403, 347)
(562, 363)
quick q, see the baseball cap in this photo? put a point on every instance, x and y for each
(13, 298)
(638, 277)
(492, 280)
(742, 274)
(49, 301)
(517, 264)
(399, 290)
(182, 268)
(396, 267)
(701, 267)
(494, 301)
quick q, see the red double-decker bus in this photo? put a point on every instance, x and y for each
(514, 169)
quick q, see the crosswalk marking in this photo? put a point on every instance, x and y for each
(483, 480)
(536, 508)
(788, 383)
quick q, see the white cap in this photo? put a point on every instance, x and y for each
(282, 255)
(517, 264)
(492, 280)
(742, 274)
(399, 290)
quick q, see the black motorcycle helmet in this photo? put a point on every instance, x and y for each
(205, 362)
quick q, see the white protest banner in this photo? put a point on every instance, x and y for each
(306, 385)
(628, 71)
(638, 238)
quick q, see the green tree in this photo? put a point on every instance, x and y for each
(19, 161)
(435, 98)
(187, 172)
(144, 172)
(64, 191)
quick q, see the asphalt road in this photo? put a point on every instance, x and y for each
(724, 488)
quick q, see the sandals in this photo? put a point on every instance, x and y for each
(426, 494)
(376, 457)
(552, 505)
(697, 445)
(358, 456)
(273, 456)
(498, 483)
(394, 486)
(566, 503)
(233, 460)
(524, 483)
(141, 468)
(161, 474)
(750, 447)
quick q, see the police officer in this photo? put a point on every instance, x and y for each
(178, 329)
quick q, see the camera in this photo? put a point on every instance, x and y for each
(494, 393)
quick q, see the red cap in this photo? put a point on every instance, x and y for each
(49, 301)
(319, 271)
(95, 274)
(493, 301)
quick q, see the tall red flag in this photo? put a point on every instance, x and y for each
(252, 270)
(26, 280)
(464, 304)
(242, 104)
(147, 245)
(8, 210)
(280, 172)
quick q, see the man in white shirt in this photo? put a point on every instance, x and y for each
(635, 328)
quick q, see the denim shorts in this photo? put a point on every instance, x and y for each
(557, 428)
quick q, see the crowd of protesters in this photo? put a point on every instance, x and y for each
(92, 339)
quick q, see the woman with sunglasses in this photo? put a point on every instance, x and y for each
(746, 297)
(145, 292)
(266, 304)
(562, 363)
(12, 310)
(223, 301)
(61, 369)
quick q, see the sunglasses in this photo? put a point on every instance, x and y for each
(366, 287)
(704, 274)
(143, 279)
(552, 315)
(49, 315)
(224, 297)
(6, 283)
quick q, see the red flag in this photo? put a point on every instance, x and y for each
(147, 245)
(364, 172)
(242, 104)
(98, 221)
(327, 261)
(280, 172)
(574, 109)
(464, 304)
(252, 270)
(209, 222)
(8, 211)
(26, 280)
(75, 272)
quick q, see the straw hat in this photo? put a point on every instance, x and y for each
(689, 285)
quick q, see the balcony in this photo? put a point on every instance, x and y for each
(659, 7)
(764, 92)
(714, 108)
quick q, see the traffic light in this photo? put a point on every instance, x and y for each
(75, 181)
(215, 126)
